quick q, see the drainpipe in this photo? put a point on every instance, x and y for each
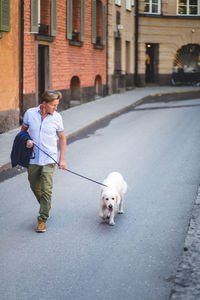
(21, 60)
(107, 88)
(136, 40)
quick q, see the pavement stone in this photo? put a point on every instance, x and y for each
(187, 280)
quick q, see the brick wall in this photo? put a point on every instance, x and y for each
(66, 60)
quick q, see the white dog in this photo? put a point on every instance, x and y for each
(112, 196)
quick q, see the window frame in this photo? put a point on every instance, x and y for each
(94, 41)
(5, 15)
(151, 5)
(128, 5)
(69, 24)
(36, 19)
(188, 9)
(118, 2)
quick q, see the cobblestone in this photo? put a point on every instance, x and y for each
(187, 279)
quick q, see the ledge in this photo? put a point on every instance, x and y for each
(44, 38)
(195, 17)
(75, 43)
(97, 46)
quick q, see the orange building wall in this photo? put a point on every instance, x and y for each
(9, 62)
(29, 52)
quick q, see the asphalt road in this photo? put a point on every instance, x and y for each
(156, 147)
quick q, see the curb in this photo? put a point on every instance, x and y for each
(111, 115)
(184, 94)
(164, 96)
(186, 284)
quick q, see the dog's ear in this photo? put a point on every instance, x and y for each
(102, 196)
(118, 198)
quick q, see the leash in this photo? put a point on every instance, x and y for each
(87, 178)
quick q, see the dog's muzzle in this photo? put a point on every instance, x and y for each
(110, 208)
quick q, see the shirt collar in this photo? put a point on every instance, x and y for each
(40, 111)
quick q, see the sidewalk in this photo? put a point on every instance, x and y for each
(80, 117)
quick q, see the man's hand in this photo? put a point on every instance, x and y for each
(29, 143)
(62, 144)
(62, 164)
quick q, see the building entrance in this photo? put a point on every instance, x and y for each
(151, 74)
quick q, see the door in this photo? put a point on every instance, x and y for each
(151, 75)
(43, 69)
(117, 55)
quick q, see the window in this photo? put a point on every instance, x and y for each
(98, 23)
(128, 5)
(76, 21)
(44, 17)
(188, 7)
(118, 2)
(152, 6)
(5, 15)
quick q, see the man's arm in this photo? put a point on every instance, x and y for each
(29, 143)
(62, 144)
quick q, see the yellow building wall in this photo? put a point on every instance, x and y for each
(125, 32)
(168, 30)
(170, 34)
(9, 62)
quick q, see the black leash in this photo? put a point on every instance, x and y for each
(68, 169)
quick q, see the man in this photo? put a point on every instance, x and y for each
(45, 127)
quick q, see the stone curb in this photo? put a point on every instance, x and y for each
(159, 96)
(163, 96)
(187, 280)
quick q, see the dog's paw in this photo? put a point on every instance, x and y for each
(120, 212)
(111, 223)
(103, 217)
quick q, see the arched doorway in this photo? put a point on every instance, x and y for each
(75, 91)
(186, 65)
(98, 87)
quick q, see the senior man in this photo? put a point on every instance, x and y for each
(45, 127)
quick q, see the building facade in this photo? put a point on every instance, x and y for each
(168, 48)
(64, 49)
(9, 64)
(120, 45)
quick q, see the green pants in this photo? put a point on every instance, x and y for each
(41, 182)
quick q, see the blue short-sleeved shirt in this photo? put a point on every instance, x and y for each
(43, 131)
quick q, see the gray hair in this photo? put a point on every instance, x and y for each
(49, 96)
